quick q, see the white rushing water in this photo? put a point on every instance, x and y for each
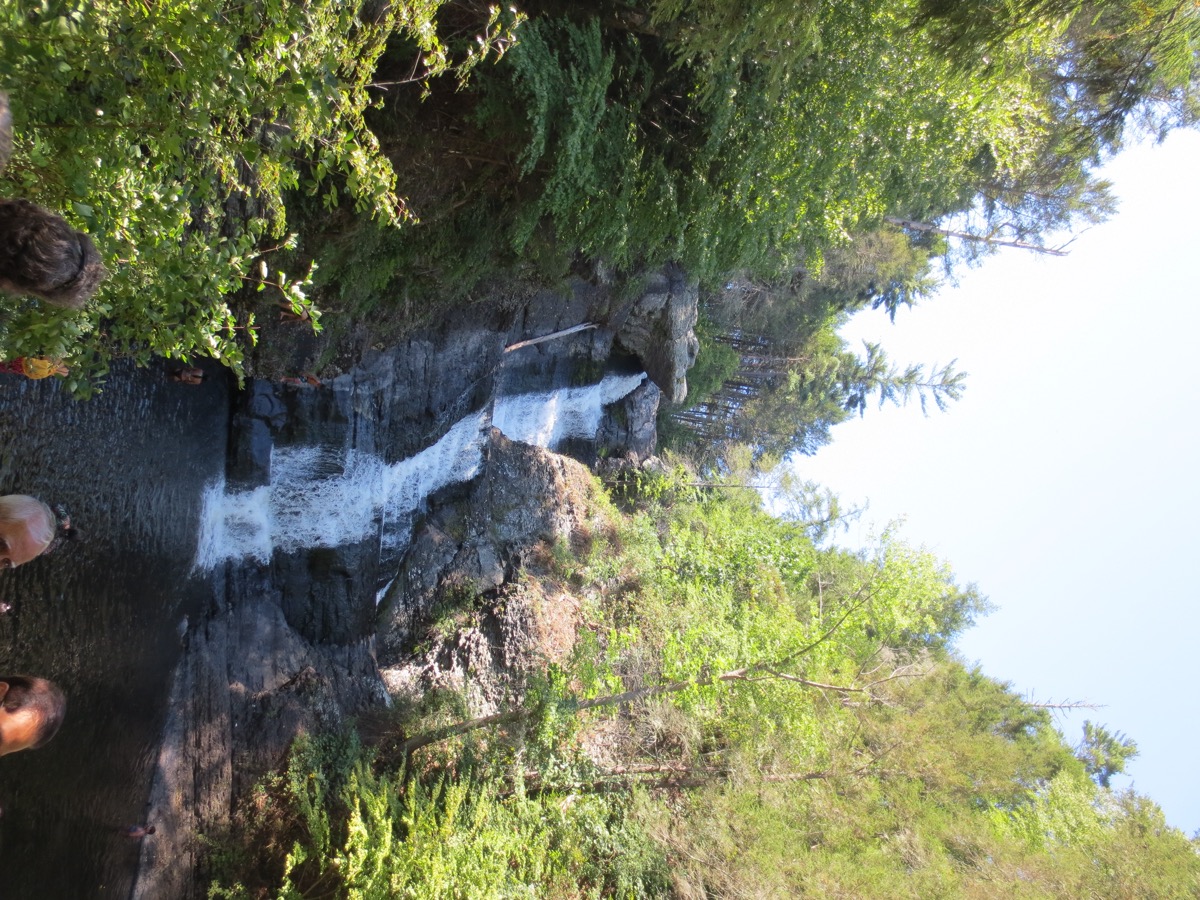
(327, 497)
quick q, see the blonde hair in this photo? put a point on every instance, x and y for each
(33, 514)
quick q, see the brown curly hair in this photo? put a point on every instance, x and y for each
(42, 256)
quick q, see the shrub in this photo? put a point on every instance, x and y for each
(172, 133)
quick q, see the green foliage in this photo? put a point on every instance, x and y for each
(979, 743)
(1104, 753)
(786, 398)
(715, 365)
(795, 378)
(595, 185)
(1107, 61)
(1063, 812)
(817, 509)
(1104, 844)
(737, 138)
(410, 273)
(657, 487)
(1086, 71)
(732, 141)
(933, 789)
(720, 36)
(970, 793)
(631, 158)
(926, 608)
(762, 717)
(366, 834)
(725, 587)
(173, 135)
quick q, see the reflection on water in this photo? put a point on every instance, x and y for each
(99, 616)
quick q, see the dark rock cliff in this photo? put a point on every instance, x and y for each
(297, 644)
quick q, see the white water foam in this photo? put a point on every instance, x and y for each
(546, 420)
(323, 497)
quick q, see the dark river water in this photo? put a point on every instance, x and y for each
(99, 616)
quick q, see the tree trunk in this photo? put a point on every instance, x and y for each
(967, 236)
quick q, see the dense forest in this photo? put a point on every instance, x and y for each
(804, 161)
(778, 717)
(747, 714)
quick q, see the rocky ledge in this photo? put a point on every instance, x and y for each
(458, 616)
(297, 646)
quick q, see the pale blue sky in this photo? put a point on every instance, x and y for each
(1065, 481)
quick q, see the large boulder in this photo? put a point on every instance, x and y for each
(524, 497)
(629, 427)
(487, 650)
(659, 331)
(457, 615)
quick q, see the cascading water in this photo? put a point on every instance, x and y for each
(328, 497)
(548, 419)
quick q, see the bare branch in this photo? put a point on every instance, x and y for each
(770, 668)
(1066, 705)
(968, 236)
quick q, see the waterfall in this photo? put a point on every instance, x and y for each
(546, 420)
(329, 496)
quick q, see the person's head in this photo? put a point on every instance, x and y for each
(27, 528)
(42, 256)
(31, 711)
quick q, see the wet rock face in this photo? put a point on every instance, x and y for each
(325, 593)
(246, 686)
(654, 332)
(659, 331)
(298, 645)
(403, 399)
(257, 410)
(629, 427)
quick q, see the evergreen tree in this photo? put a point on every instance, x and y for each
(1104, 753)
